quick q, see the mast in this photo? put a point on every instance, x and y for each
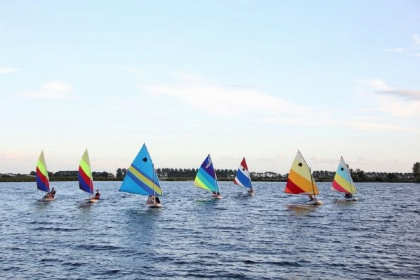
(153, 174)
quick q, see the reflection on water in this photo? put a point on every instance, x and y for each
(271, 235)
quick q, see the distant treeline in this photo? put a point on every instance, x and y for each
(180, 174)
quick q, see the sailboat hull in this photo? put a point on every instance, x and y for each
(155, 205)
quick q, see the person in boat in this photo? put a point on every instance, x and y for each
(311, 197)
(348, 195)
(97, 195)
(251, 191)
(157, 200)
(52, 193)
(151, 199)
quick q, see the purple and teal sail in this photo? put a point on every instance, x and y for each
(42, 179)
(243, 177)
(141, 177)
(85, 174)
(206, 176)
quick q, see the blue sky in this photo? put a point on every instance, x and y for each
(254, 79)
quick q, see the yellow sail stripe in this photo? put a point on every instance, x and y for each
(145, 180)
(200, 184)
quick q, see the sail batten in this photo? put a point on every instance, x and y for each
(243, 177)
(206, 176)
(342, 180)
(85, 174)
(141, 177)
(300, 180)
(41, 174)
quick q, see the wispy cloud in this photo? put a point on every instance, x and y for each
(8, 70)
(225, 100)
(408, 94)
(412, 49)
(398, 103)
(55, 90)
(395, 50)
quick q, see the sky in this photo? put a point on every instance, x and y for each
(234, 79)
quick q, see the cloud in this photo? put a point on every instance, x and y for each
(398, 103)
(395, 50)
(8, 70)
(416, 39)
(408, 94)
(55, 90)
(12, 155)
(225, 100)
(411, 50)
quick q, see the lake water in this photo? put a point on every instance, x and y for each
(194, 237)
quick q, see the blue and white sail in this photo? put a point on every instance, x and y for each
(243, 177)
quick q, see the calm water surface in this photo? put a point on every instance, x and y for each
(193, 237)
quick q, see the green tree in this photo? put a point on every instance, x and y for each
(119, 174)
(416, 171)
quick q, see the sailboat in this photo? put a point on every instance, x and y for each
(301, 181)
(85, 177)
(206, 178)
(343, 182)
(141, 178)
(42, 179)
(243, 177)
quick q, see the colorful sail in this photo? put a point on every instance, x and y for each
(300, 180)
(243, 177)
(42, 179)
(85, 174)
(342, 180)
(206, 176)
(141, 177)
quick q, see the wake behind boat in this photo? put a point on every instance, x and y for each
(206, 178)
(141, 178)
(301, 181)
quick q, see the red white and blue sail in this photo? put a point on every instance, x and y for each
(243, 177)
(42, 179)
(85, 174)
(141, 177)
(206, 176)
(342, 180)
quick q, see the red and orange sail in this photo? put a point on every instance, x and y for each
(300, 180)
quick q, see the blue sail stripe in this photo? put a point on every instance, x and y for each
(343, 173)
(211, 184)
(40, 185)
(132, 185)
(245, 181)
(208, 178)
(83, 186)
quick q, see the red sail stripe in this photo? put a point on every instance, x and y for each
(338, 187)
(292, 188)
(42, 177)
(86, 178)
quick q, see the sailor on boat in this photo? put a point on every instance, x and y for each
(312, 198)
(348, 195)
(97, 195)
(251, 191)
